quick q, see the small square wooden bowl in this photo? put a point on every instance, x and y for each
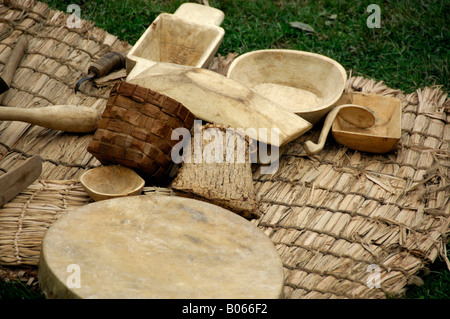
(383, 136)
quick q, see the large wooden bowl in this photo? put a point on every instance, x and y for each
(306, 83)
(383, 136)
(111, 181)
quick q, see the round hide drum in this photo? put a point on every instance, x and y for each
(158, 246)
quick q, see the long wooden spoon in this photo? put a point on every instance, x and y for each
(69, 118)
(356, 115)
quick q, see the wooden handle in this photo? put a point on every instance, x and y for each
(13, 62)
(312, 148)
(199, 13)
(69, 118)
(110, 61)
(14, 59)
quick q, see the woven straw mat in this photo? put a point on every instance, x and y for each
(340, 220)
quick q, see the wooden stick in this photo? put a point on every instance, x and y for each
(14, 60)
(69, 118)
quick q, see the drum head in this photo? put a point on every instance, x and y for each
(158, 246)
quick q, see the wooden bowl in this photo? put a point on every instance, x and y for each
(383, 136)
(181, 38)
(110, 181)
(305, 83)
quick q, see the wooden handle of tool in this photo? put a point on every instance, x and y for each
(69, 118)
(13, 62)
(110, 61)
(312, 148)
(14, 59)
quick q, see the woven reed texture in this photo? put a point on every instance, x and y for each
(333, 217)
(57, 57)
(340, 215)
(135, 130)
(25, 219)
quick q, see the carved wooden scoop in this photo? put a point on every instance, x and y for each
(356, 115)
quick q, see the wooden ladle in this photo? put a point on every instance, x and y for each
(356, 115)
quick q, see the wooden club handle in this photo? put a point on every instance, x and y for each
(69, 118)
(13, 62)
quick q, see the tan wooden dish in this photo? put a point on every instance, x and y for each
(110, 181)
(190, 36)
(158, 246)
(305, 83)
(383, 136)
(218, 99)
(354, 114)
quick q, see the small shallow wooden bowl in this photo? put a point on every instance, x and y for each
(303, 82)
(383, 136)
(110, 181)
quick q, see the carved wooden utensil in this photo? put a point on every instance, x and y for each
(356, 115)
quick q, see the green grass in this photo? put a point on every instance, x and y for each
(18, 290)
(409, 51)
(436, 282)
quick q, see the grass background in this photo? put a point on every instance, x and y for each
(409, 51)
